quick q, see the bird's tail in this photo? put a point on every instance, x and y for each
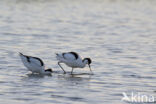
(21, 56)
(56, 54)
(20, 53)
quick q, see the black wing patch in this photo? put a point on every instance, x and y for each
(48, 70)
(39, 60)
(75, 55)
(63, 55)
(28, 59)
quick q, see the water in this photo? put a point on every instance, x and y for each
(118, 35)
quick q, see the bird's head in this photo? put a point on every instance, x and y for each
(87, 61)
(49, 70)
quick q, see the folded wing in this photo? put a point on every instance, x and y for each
(70, 56)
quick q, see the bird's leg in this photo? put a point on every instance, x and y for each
(72, 71)
(90, 68)
(61, 67)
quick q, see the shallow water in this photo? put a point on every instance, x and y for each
(118, 35)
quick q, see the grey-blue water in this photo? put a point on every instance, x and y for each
(118, 35)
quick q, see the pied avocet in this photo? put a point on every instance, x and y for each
(34, 64)
(72, 59)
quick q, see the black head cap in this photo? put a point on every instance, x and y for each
(89, 60)
(48, 70)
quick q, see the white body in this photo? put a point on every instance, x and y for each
(34, 65)
(70, 60)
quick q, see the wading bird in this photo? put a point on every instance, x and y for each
(73, 60)
(34, 64)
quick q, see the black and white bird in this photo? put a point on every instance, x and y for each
(34, 64)
(72, 59)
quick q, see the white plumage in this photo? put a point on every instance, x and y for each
(34, 64)
(72, 59)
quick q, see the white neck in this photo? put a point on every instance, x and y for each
(83, 63)
(45, 72)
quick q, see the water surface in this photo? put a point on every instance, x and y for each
(118, 35)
